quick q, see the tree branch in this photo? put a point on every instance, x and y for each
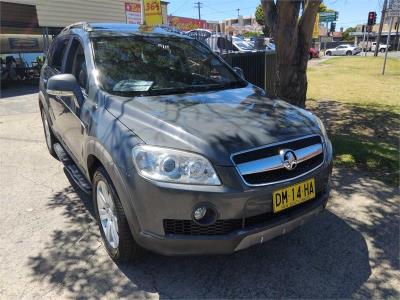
(307, 20)
(270, 13)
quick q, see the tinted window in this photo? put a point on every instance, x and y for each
(76, 63)
(57, 52)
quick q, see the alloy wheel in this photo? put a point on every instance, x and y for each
(107, 213)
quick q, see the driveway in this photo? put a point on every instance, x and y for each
(50, 246)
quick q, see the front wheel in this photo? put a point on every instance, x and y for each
(383, 50)
(348, 53)
(329, 53)
(113, 225)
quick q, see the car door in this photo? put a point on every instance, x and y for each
(74, 128)
(341, 50)
(54, 66)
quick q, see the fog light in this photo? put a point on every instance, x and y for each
(200, 212)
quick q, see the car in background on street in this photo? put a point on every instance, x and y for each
(270, 47)
(180, 153)
(343, 50)
(314, 53)
(382, 47)
(224, 43)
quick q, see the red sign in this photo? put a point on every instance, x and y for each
(133, 12)
(186, 24)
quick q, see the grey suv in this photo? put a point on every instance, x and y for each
(180, 153)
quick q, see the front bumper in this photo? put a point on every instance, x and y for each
(153, 202)
(239, 240)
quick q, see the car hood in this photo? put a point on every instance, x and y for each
(215, 124)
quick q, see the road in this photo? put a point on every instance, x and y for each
(50, 246)
(316, 61)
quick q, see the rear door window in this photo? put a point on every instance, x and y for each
(76, 63)
(57, 52)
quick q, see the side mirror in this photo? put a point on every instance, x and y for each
(65, 85)
(239, 71)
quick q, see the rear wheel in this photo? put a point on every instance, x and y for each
(329, 53)
(113, 225)
(383, 50)
(348, 53)
(48, 134)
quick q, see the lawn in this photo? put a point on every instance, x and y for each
(361, 110)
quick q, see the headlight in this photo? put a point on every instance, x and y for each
(170, 165)
(321, 127)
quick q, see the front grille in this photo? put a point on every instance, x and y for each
(188, 227)
(274, 150)
(284, 174)
(263, 165)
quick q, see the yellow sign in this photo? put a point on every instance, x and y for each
(152, 12)
(315, 33)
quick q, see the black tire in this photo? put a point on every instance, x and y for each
(127, 249)
(329, 53)
(311, 56)
(349, 53)
(50, 139)
(383, 50)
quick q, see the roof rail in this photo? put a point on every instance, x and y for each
(83, 25)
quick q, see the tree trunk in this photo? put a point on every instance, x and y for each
(293, 40)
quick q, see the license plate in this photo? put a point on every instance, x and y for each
(293, 195)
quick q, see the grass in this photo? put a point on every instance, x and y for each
(356, 80)
(361, 110)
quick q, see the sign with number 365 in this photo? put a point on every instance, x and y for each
(152, 12)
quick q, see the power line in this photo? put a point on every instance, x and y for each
(180, 7)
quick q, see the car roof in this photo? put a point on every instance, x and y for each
(122, 29)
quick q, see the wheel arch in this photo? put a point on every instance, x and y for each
(98, 156)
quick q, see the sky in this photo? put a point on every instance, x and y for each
(351, 12)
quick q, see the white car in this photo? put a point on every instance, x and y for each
(221, 44)
(382, 47)
(343, 50)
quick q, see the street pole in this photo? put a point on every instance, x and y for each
(198, 5)
(366, 48)
(380, 27)
(363, 42)
(397, 33)
(387, 44)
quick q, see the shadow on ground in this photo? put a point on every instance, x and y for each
(363, 136)
(325, 258)
(368, 122)
(19, 89)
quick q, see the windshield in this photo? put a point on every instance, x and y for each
(159, 65)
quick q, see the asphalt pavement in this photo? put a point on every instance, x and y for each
(50, 245)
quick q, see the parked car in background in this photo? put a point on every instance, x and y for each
(199, 34)
(270, 47)
(180, 153)
(382, 47)
(222, 43)
(314, 53)
(343, 50)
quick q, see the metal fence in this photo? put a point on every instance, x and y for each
(259, 68)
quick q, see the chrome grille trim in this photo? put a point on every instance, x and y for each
(274, 162)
